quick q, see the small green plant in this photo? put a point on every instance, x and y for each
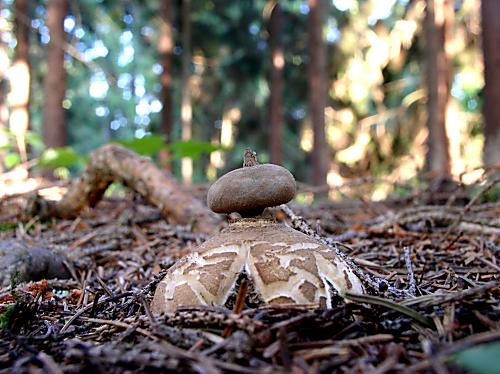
(481, 359)
(192, 149)
(152, 144)
(116, 189)
(11, 160)
(147, 146)
(493, 195)
(59, 157)
(6, 317)
(7, 226)
(14, 280)
(35, 141)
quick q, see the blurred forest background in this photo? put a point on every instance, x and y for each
(389, 90)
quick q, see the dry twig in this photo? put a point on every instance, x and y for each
(378, 284)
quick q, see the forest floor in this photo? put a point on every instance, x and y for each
(443, 251)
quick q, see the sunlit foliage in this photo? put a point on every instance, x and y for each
(375, 112)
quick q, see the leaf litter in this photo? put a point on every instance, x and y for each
(432, 270)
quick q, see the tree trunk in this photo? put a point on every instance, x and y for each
(4, 112)
(4, 116)
(276, 98)
(490, 12)
(186, 108)
(437, 18)
(318, 89)
(165, 47)
(54, 119)
(19, 96)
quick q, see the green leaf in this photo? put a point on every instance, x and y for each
(481, 359)
(7, 226)
(34, 140)
(192, 149)
(11, 160)
(146, 146)
(6, 317)
(6, 147)
(375, 300)
(59, 157)
(116, 189)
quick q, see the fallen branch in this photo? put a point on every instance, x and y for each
(450, 216)
(459, 219)
(412, 286)
(450, 297)
(114, 163)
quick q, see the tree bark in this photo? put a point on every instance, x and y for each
(19, 96)
(166, 47)
(4, 140)
(318, 89)
(4, 113)
(186, 107)
(54, 118)
(490, 12)
(437, 18)
(276, 97)
(114, 163)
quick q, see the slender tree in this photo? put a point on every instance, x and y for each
(19, 95)
(318, 89)
(54, 119)
(166, 47)
(186, 106)
(4, 112)
(490, 12)
(437, 19)
(276, 97)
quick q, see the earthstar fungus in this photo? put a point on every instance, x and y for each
(280, 264)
